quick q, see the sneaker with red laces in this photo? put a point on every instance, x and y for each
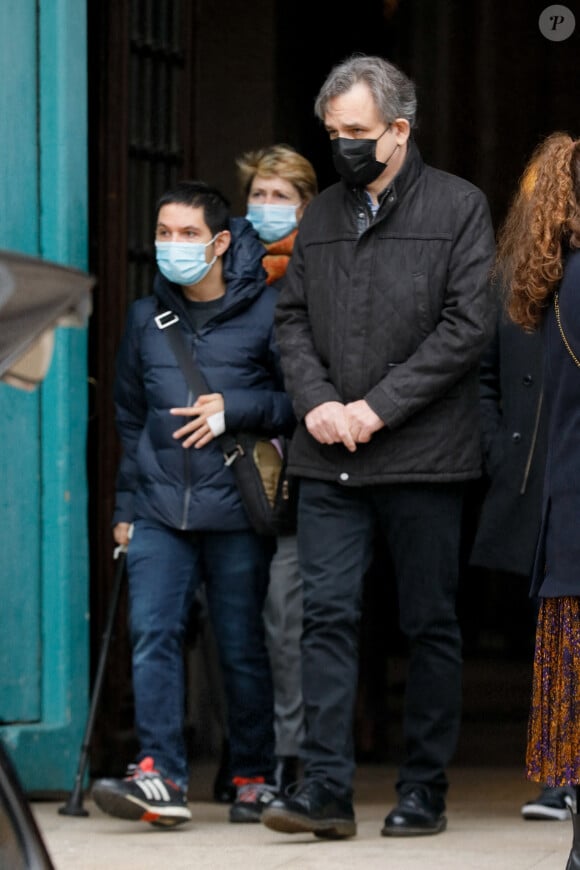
(143, 795)
(253, 795)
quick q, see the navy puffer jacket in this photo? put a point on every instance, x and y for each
(236, 352)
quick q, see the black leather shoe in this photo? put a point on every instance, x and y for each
(313, 808)
(286, 772)
(419, 811)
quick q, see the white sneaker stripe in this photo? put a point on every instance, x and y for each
(164, 794)
(145, 786)
(154, 789)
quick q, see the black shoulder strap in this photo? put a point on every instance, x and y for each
(168, 321)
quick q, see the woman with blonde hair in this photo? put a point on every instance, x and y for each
(277, 184)
(538, 256)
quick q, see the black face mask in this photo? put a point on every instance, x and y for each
(355, 159)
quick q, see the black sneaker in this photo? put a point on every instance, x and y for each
(253, 795)
(552, 803)
(144, 795)
(419, 811)
(312, 808)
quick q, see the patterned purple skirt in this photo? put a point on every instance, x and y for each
(553, 749)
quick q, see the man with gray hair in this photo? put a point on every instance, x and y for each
(382, 322)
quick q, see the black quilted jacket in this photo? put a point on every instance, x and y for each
(396, 310)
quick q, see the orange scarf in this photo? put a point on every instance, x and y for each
(276, 260)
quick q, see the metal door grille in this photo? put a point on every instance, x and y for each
(141, 69)
(157, 70)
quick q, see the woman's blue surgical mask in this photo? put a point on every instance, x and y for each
(272, 222)
(183, 262)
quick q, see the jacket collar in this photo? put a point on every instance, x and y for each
(408, 173)
(401, 183)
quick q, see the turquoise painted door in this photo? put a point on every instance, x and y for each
(20, 459)
(43, 534)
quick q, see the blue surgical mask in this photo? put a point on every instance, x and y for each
(272, 222)
(183, 262)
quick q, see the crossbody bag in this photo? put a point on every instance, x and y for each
(259, 463)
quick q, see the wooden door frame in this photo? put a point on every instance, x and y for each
(109, 155)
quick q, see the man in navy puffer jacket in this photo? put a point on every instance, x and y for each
(179, 505)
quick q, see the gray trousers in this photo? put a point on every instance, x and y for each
(283, 625)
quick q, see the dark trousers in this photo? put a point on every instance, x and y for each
(421, 524)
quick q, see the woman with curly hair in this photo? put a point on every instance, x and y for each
(538, 257)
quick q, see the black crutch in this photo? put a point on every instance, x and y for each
(74, 804)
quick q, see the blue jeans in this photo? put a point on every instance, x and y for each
(421, 525)
(166, 567)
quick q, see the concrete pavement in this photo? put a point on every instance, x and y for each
(485, 832)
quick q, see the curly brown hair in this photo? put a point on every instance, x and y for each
(543, 219)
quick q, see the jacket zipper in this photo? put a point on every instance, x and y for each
(532, 445)
(186, 476)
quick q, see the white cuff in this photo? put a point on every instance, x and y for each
(217, 423)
